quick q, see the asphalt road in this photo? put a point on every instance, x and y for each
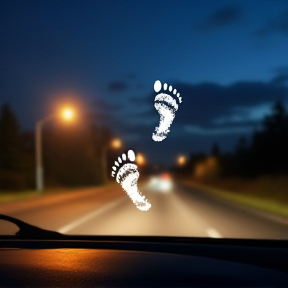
(180, 211)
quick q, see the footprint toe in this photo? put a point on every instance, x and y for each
(131, 154)
(157, 86)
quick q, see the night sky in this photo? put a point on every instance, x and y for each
(228, 59)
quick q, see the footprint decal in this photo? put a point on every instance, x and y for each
(166, 105)
(127, 175)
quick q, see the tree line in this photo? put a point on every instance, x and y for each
(71, 153)
(265, 152)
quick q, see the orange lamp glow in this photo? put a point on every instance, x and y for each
(140, 159)
(116, 143)
(200, 170)
(68, 114)
(181, 160)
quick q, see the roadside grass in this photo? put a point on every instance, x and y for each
(12, 196)
(268, 194)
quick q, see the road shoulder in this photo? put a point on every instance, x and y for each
(252, 206)
(43, 200)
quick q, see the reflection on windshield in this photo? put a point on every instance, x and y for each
(78, 91)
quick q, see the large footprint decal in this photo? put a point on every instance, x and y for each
(166, 105)
(127, 175)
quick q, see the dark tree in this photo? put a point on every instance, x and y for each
(269, 149)
(215, 151)
(12, 158)
(73, 154)
(266, 154)
(242, 159)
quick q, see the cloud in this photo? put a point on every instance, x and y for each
(132, 76)
(212, 105)
(191, 129)
(210, 113)
(222, 17)
(277, 25)
(203, 103)
(281, 79)
(106, 107)
(281, 76)
(117, 86)
(248, 114)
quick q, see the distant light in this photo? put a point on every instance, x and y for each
(140, 159)
(160, 184)
(200, 170)
(116, 143)
(165, 185)
(211, 162)
(68, 114)
(181, 160)
(165, 176)
(153, 181)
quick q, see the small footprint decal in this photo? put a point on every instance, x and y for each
(127, 175)
(166, 105)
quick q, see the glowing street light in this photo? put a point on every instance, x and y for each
(67, 114)
(140, 159)
(116, 143)
(181, 160)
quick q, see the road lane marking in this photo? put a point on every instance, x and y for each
(91, 215)
(213, 233)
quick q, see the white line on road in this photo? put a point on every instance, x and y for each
(89, 216)
(213, 233)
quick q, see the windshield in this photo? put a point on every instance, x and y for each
(145, 117)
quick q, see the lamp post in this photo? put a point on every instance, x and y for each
(67, 114)
(38, 147)
(116, 144)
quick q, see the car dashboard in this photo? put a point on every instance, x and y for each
(134, 261)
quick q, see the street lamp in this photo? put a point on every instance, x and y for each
(140, 159)
(116, 144)
(67, 114)
(181, 160)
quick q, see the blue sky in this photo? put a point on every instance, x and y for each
(229, 58)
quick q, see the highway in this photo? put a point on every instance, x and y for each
(178, 211)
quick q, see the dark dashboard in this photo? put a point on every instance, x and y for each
(100, 261)
(35, 257)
